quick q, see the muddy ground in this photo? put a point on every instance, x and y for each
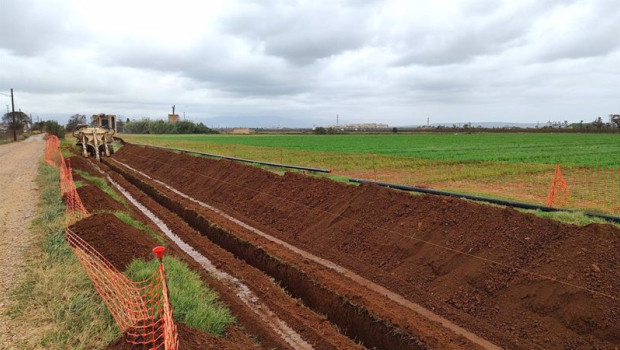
(516, 279)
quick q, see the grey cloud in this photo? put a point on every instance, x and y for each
(484, 28)
(30, 28)
(305, 34)
(214, 66)
(311, 60)
(597, 33)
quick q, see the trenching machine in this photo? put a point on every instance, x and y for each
(96, 138)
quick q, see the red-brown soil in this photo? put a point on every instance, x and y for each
(117, 241)
(94, 198)
(511, 277)
(120, 244)
(192, 339)
(321, 288)
(80, 163)
(311, 326)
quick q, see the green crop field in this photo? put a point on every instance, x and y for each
(574, 149)
(510, 166)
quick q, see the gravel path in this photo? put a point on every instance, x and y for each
(18, 200)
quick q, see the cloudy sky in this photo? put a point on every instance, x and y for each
(301, 63)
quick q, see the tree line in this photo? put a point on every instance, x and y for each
(147, 126)
(20, 121)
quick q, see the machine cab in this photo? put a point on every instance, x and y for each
(107, 121)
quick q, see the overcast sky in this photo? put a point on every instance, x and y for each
(301, 63)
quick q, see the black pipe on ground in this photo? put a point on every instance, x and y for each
(513, 204)
(316, 170)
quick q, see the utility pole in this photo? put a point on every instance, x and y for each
(337, 117)
(13, 110)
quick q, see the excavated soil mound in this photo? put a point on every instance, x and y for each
(190, 338)
(118, 242)
(81, 163)
(515, 278)
(94, 198)
(77, 177)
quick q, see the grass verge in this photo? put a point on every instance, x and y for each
(193, 303)
(54, 293)
(573, 218)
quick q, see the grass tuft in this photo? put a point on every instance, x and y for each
(193, 303)
(572, 218)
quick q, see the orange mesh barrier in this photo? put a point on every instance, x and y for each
(141, 309)
(559, 189)
(560, 185)
(593, 189)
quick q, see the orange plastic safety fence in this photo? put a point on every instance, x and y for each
(559, 189)
(556, 185)
(592, 189)
(141, 309)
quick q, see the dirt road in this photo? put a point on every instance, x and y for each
(18, 200)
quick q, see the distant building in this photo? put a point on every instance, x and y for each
(361, 126)
(240, 131)
(173, 118)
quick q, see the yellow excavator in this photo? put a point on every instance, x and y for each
(96, 138)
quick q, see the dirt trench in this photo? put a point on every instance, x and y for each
(384, 325)
(517, 279)
(353, 318)
(311, 326)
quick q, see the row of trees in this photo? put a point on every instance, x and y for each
(596, 124)
(147, 126)
(23, 121)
